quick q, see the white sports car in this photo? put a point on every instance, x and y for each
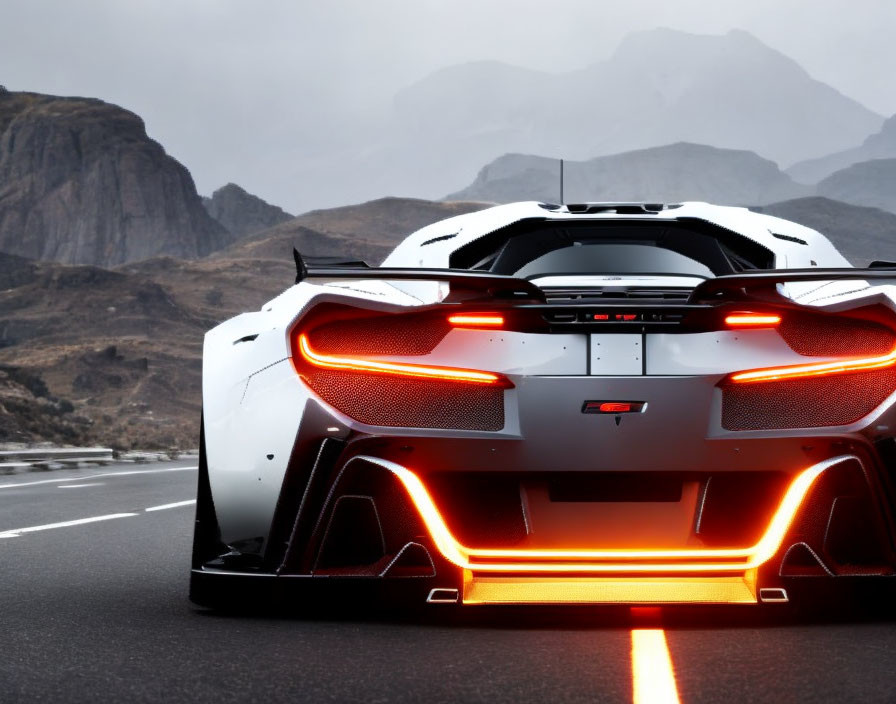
(542, 404)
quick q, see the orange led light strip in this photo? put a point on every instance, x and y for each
(591, 561)
(395, 368)
(819, 369)
(481, 320)
(751, 320)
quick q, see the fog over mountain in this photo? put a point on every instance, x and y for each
(666, 174)
(870, 183)
(295, 101)
(659, 87)
(880, 145)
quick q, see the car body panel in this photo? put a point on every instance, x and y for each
(288, 469)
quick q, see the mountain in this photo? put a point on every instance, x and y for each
(667, 174)
(366, 231)
(243, 213)
(861, 234)
(880, 145)
(871, 183)
(80, 182)
(659, 87)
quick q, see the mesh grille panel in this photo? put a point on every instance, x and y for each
(378, 399)
(815, 336)
(388, 335)
(805, 403)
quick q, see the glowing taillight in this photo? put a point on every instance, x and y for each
(752, 320)
(358, 364)
(480, 320)
(819, 369)
(657, 560)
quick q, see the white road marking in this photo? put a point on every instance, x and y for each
(97, 476)
(176, 504)
(16, 532)
(78, 486)
(653, 677)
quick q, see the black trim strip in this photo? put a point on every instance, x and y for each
(312, 502)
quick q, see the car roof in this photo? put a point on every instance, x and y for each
(793, 245)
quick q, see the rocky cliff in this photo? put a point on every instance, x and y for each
(81, 183)
(241, 212)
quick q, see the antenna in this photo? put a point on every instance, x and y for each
(561, 182)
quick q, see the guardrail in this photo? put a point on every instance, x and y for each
(51, 458)
(37, 459)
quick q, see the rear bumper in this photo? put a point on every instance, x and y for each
(596, 559)
(638, 574)
(493, 517)
(380, 533)
(253, 591)
(318, 596)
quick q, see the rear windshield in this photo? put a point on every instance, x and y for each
(542, 247)
(598, 258)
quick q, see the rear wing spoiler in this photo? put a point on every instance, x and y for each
(749, 284)
(463, 282)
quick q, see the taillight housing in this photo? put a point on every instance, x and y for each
(826, 392)
(371, 366)
(863, 345)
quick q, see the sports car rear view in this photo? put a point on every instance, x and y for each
(557, 404)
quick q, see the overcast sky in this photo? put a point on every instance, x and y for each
(229, 86)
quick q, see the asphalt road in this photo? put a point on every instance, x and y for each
(98, 611)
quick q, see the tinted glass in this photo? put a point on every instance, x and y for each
(597, 258)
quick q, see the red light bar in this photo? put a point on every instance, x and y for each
(477, 320)
(820, 369)
(752, 320)
(396, 368)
